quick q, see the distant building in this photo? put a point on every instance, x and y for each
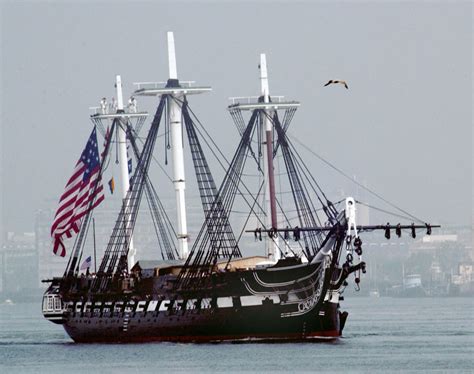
(18, 265)
(440, 238)
(430, 243)
(464, 280)
(49, 265)
(465, 274)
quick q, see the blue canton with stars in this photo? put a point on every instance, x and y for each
(90, 156)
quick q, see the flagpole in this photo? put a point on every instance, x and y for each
(95, 254)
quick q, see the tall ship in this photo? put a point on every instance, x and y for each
(205, 290)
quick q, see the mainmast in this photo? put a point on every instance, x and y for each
(176, 92)
(177, 154)
(269, 175)
(123, 161)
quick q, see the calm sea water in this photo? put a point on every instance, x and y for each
(381, 335)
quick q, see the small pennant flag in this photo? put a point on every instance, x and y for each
(112, 185)
(87, 263)
(130, 167)
(106, 140)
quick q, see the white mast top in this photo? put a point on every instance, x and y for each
(172, 56)
(118, 86)
(264, 77)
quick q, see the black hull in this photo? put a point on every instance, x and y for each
(257, 323)
(294, 303)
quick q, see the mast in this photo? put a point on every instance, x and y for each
(175, 91)
(266, 110)
(269, 175)
(123, 161)
(122, 119)
(177, 153)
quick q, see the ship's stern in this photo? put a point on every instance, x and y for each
(53, 306)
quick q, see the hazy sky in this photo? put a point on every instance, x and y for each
(404, 126)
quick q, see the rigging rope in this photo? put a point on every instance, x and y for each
(353, 181)
(222, 157)
(157, 213)
(383, 210)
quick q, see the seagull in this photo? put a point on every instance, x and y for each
(341, 82)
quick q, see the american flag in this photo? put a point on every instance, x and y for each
(83, 192)
(87, 263)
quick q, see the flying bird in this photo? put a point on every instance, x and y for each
(333, 82)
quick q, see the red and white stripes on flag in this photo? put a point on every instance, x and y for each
(83, 192)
